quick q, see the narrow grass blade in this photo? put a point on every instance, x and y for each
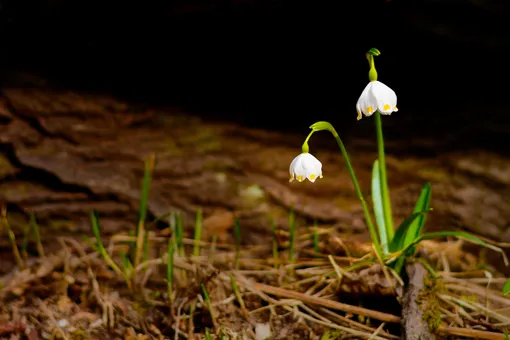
(37, 235)
(170, 269)
(144, 197)
(142, 214)
(238, 296)
(179, 242)
(179, 234)
(12, 238)
(377, 202)
(212, 248)
(315, 237)
(24, 245)
(274, 244)
(146, 246)
(127, 266)
(208, 303)
(237, 234)
(198, 233)
(99, 244)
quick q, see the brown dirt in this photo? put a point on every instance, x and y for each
(65, 153)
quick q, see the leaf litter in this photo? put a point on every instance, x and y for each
(341, 291)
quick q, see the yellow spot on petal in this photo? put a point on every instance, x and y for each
(369, 109)
(312, 177)
(387, 107)
(320, 176)
(395, 108)
(300, 178)
(359, 115)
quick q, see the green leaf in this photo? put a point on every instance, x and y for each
(320, 126)
(374, 52)
(506, 287)
(398, 242)
(377, 202)
(412, 227)
(422, 204)
(459, 234)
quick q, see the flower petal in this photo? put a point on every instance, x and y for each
(305, 166)
(367, 102)
(386, 98)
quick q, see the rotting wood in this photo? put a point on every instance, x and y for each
(414, 324)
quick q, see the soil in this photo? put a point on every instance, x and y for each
(64, 154)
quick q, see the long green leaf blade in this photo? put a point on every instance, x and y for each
(398, 242)
(412, 227)
(378, 206)
(422, 204)
(459, 234)
(506, 287)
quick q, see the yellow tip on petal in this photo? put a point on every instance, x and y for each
(369, 109)
(359, 115)
(320, 176)
(312, 177)
(300, 178)
(387, 107)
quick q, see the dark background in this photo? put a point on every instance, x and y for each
(290, 62)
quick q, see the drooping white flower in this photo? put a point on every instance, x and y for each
(376, 96)
(304, 166)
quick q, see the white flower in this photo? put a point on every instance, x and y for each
(376, 96)
(305, 166)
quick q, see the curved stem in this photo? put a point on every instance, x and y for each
(385, 191)
(366, 211)
(305, 148)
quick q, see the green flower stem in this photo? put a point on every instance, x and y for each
(370, 224)
(372, 73)
(305, 148)
(385, 191)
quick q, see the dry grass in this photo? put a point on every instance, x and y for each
(340, 293)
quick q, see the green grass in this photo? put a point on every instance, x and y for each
(198, 233)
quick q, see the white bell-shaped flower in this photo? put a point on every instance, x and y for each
(305, 166)
(376, 96)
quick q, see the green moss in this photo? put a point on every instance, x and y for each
(429, 302)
